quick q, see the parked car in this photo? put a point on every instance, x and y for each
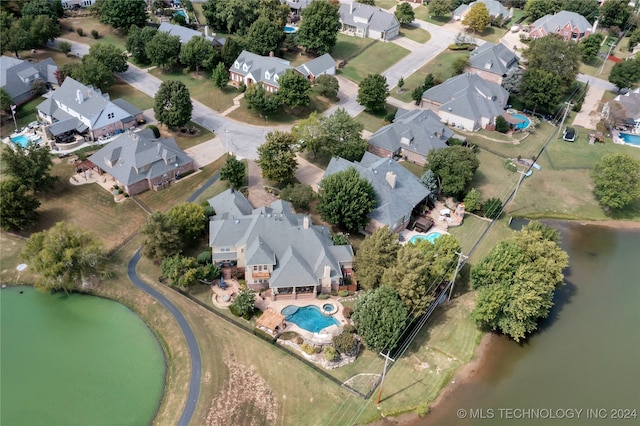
(569, 134)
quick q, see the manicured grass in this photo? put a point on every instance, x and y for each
(201, 87)
(373, 121)
(246, 115)
(185, 140)
(297, 57)
(386, 4)
(58, 57)
(593, 68)
(517, 14)
(422, 13)
(88, 23)
(415, 33)
(374, 60)
(440, 67)
(197, 9)
(492, 34)
(348, 47)
(414, 168)
(122, 90)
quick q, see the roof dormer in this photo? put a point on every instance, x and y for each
(236, 64)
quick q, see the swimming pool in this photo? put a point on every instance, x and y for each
(289, 29)
(308, 317)
(431, 237)
(181, 12)
(631, 139)
(523, 124)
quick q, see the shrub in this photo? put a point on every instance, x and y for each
(299, 340)
(300, 195)
(340, 239)
(80, 32)
(237, 273)
(307, 348)
(95, 34)
(422, 410)
(209, 211)
(242, 87)
(126, 195)
(322, 296)
(345, 343)
(331, 354)
(234, 310)
(65, 47)
(343, 293)
(473, 200)
(347, 312)
(390, 116)
(349, 328)
(155, 130)
(492, 208)
(510, 166)
(501, 124)
(204, 257)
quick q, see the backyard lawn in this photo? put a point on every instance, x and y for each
(373, 121)
(593, 68)
(386, 4)
(122, 90)
(374, 60)
(440, 67)
(348, 47)
(25, 114)
(492, 34)
(415, 33)
(422, 13)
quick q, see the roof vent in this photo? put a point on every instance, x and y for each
(237, 221)
(79, 96)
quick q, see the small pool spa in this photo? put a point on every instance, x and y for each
(524, 123)
(431, 237)
(309, 318)
(630, 139)
(289, 29)
(329, 308)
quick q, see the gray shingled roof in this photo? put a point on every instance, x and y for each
(93, 101)
(300, 253)
(392, 204)
(631, 103)
(418, 131)
(132, 151)
(551, 23)
(493, 58)
(230, 204)
(494, 7)
(318, 65)
(131, 109)
(296, 4)
(469, 96)
(185, 34)
(266, 69)
(375, 18)
(13, 71)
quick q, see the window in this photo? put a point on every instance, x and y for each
(110, 115)
(267, 75)
(255, 267)
(225, 249)
(236, 64)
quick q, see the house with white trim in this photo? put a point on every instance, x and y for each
(492, 62)
(367, 21)
(17, 76)
(494, 7)
(568, 25)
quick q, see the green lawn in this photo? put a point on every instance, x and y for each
(348, 47)
(186, 140)
(107, 34)
(246, 115)
(422, 13)
(386, 4)
(122, 90)
(440, 67)
(414, 168)
(374, 60)
(492, 34)
(25, 114)
(415, 33)
(593, 68)
(197, 9)
(373, 121)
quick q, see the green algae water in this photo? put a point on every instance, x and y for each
(75, 360)
(585, 356)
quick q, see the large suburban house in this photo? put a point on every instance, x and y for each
(627, 108)
(74, 108)
(495, 8)
(412, 135)
(185, 34)
(398, 191)
(467, 101)
(17, 76)
(250, 68)
(363, 21)
(138, 161)
(278, 249)
(296, 7)
(568, 25)
(492, 62)
(77, 4)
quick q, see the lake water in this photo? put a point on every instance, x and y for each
(76, 360)
(586, 355)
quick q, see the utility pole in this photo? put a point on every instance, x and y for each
(13, 113)
(564, 117)
(611, 46)
(522, 175)
(461, 258)
(384, 372)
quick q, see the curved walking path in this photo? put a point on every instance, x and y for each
(194, 349)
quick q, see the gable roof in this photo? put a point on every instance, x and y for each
(85, 100)
(296, 4)
(135, 156)
(552, 23)
(469, 96)
(317, 66)
(631, 103)
(418, 131)
(126, 106)
(494, 7)
(185, 34)
(365, 16)
(16, 76)
(230, 204)
(393, 204)
(493, 58)
(265, 69)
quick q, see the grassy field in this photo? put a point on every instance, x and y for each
(348, 46)
(373, 121)
(414, 168)
(492, 34)
(107, 33)
(185, 140)
(593, 68)
(246, 115)
(122, 90)
(422, 13)
(374, 60)
(440, 67)
(414, 33)
(25, 114)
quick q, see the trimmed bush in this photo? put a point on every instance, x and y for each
(80, 32)
(95, 34)
(65, 47)
(501, 124)
(204, 257)
(322, 296)
(331, 354)
(349, 328)
(345, 343)
(492, 208)
(307, 348)
(155, 130)
(209, 211)
(343, 293)
(347, 312)
(234, 310)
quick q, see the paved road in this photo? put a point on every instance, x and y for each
(194, 350)
(597, 82)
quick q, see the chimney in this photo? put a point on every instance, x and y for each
(271, 55)
(351, 7)
(79, 96)
(327, 271)
(206, 31)
(391, 179)
(305, 222)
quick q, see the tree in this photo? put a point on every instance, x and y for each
(516, 282)
(540, 89)
(30, 165)
(617, 180)
(616, 116)
(634, 39)
(163, 49)
(260, 99)
(430, 181)
(439, 7)
(404, 13)
(230, 51)
(17, 207)
(512, 81)
(196, 53)
(343, 135)
(373, 92)
(614, 13)
(91, 72)
(298, 194)
(28, 32)
(231, 16)
(380, 317)
(346, 199)
(137, 40)
(310, 134)
(327, 85)
(5, 100)
(320, 25)
(492, 208)
(536, 9)
(220, 76)
(184, 271)
(108, 55)
(233, 171)
(590, 46)
(477, 18)
(556, 57)
(454, 166)
(625, 74)
(275, 12)
(121, 15)
(459, 64)
(245, 302)
(276, 157)
(401, 83)
(162, 237)
(39, 7)
(345, 343)
(295, 89)
(173, 104)
(38, 87)
(190, 220)
(65, 256)
(501, 124)
(377, 253)
(416, 95)
(263, 37)
(473, 200)
(586, 8)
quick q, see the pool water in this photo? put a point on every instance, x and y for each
(630, 139)
(328, 308)
(289, 29)
(524, 124)
(431, 237)
(21, 140)
(309, 318)
(181, 12)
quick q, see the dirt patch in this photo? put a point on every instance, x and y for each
(246, 399)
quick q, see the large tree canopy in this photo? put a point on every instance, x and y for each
(122, 15)
(477, 18)
(109, 55)
(260, 99)
(276, 157)
(614, 13)
(163, 49)
(541, 90)
(455, 166)
(404, 13)
(380, 317)
(162, 237)
(536, 9)
(137, 40)
(346, 199)
(190, 220)
(517, 279)
(617, 180)
(30, 165)
(231, 16)
(373, 92)
(233, 171)
(186, 271)
(65, 256)
(17, 206)
(626, 74)
(196, 53)
(173, 105)
(377, 253)
(28, 32)
(263, 37)
(318, 31)
(295, 89)
(39, 7)
(553, 55)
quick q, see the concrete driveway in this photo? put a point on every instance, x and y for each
(308, 173)
(589, 116)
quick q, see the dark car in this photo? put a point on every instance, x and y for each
(569, 134)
